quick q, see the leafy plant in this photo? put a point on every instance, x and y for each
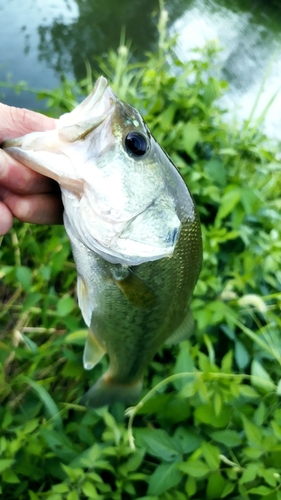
(209, 423)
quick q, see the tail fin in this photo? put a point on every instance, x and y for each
(106, 391)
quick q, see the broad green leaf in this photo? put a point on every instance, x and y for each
(87, 457)
(253, 452)
(253, 432)
(241, 355)
(260, 377)
(229, 438)
(177, 409)
(155, 404)
(188, 440)
(191, 135)
(206, 414)
(160, 444)
(250, 200)
(260, 414)
(45, 271)
(164, 477)
(65, 306)
(270, 475)
(24, 276)
(195, 468)
(190, 486)
(215, 486)
(89, 490)
(73, 474)
(73, 495)
(260, 490)
(46, 399)
(134, 462)
(5, 463)
(31, 425)
(32, 495)
(210, 453)
(248, 391)
(229, 487)
(250, 473)
(217, 403)
(216, 170)
(31, 300)
(167, 116)
(276, 429)
(228, 202)
(60, 488)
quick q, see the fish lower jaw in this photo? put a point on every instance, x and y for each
(132, 259)
(125, 252)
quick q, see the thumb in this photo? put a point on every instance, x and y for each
(15, 122)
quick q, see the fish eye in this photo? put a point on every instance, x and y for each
(136, 144)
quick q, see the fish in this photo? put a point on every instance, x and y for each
(135, 235)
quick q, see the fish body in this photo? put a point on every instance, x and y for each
(134, 231)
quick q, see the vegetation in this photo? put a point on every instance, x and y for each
(209, 423)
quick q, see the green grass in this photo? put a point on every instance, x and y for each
(209, 421)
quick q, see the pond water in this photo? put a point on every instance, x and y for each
(40, 40)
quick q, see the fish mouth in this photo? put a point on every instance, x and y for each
(42, 151)
(94, 105)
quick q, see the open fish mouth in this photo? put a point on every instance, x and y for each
(98, 104)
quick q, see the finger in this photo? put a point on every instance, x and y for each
(18, 121)
(35, 208)
(6, 219)
(21, 179)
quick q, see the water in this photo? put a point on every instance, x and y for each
(20, 53)
(41, 40)
(250, 36)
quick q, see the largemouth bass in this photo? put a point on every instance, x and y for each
(134, 231)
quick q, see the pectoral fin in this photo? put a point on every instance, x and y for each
(93, 351)
(184, 331)
(136, 290)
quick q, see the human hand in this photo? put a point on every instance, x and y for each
(25, 194)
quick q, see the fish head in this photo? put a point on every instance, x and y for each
(128, 208)
(118, 186)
